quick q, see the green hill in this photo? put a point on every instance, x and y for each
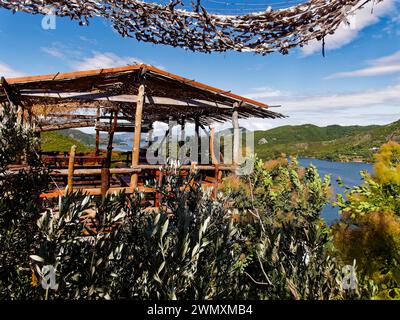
(54, 141)
(309, 133)
(85, 138)
(340, 143)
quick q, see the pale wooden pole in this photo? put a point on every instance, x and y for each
(182, 138)
(97, 132)
(112, 129)
(137, 134)
(71, 164)
(170, 137)
(20, 116)
(236, 134)
(197, 131)
(214, 161)
(105, 171)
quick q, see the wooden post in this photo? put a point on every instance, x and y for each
(182, 138)
(159, 194)
(105, 181)
(97, 132)
(214, 161)
(169, 144)
(113, 127)
(105, 171)
(71, 163)
(197, 131)
(30, 116)
(20, 116)
(137, 134)
(97, 142)
(236, 135)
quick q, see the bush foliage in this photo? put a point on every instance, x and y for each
(261, 237)
(370, 229)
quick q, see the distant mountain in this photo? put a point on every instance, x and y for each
(339, 143)
(89, 139)
(344, 143)
(85, 138)
(54, 141)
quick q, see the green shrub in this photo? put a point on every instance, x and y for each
(370, 229)
(288, 245)
(19, 203)
(261, 238)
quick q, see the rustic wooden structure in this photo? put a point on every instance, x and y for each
(198, 30)
(125, 99)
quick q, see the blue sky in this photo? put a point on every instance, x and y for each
(357, 82)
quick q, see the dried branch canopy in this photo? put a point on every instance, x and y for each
(197, 30)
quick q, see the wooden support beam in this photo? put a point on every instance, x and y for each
(14, 99)
(97, 142)
(113, 125)
(197, 137)
(236, 135)
(122, 127)
(126, 98)
(217, 179)
(66, 125)
(71, 164)
(170, 137)
(97, 191)
(182, 137)
(97, 152)
(137, 169)
(159, 195)
(20, 115)
(105, 181)
(12, 95)
(93, 172)
(73, 116)
(137, 134)
(214, 159)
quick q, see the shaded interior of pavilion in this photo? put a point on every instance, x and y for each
(130, 99)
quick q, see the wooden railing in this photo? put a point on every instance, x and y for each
(141, 168)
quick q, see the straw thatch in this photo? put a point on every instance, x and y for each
(76, 98)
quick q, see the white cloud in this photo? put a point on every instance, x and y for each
(88, 40)
(345, 34)
(8, 72)
(53, 51)
(100, 60)
(381, 66)
(336, 101)
(62, 51)
(379, 106)
(76, 59)
(264, 92)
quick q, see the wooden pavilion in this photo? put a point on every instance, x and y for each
(125, 99)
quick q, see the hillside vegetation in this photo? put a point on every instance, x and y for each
(339, 143)
(85, 138)
(54, 141)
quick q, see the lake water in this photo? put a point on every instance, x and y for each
(348, 171)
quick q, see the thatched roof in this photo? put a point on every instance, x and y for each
(168, 96)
